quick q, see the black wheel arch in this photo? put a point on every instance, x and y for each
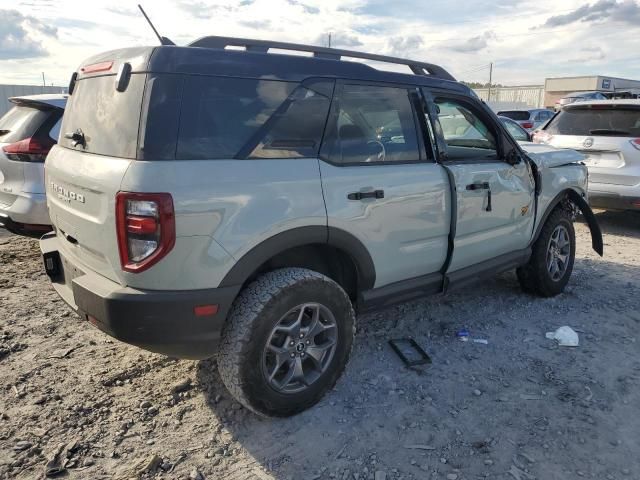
(580, 202)
(301, 237)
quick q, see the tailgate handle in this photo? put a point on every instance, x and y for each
(76, 137)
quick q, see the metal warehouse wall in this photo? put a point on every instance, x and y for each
(529, 96)
(7, 91)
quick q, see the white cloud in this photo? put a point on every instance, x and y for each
(514, 35)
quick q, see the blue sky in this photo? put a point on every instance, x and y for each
(527, 40)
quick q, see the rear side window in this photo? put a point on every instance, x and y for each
(517, 115)
(295, 129)
(597, 121)
(220, 115)
(371, 124)
(21, 122)
(107, 118)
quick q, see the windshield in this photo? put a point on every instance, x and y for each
(20, 123)
(515, 115)
(602, 121)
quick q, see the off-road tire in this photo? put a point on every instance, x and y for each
(254, 314)
(535, 277)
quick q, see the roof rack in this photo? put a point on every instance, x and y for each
(263, 46)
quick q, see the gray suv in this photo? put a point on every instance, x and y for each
(245, 204)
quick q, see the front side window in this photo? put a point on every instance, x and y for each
(464, 132)
(371, 124)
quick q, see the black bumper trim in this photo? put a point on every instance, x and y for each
(24, 229)
(158, 321)
(611, 201)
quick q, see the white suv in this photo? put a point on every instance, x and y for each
(608, 133)
(27, 133)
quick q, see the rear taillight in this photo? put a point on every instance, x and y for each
(146, 229)
(527, 124)
(29, 150)
(636, 143)
(541, 137)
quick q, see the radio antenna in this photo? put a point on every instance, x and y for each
(163, 40)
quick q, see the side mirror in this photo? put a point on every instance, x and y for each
(513, 157)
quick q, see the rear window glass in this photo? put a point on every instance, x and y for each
(515, 115)
(607, 122)
(21, 122)
(107, 118)
(220, 115)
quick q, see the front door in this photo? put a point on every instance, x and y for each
(495, 200)
(379, 183)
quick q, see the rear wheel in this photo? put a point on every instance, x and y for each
(551, 263)
(286, 341)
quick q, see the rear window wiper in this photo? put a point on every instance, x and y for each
(605, 131)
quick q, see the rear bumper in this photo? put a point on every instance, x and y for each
(27, 215)
(619, 198)
(158, 321)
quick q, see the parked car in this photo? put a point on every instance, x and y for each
(579, 97)
(607, 132)
(528, 119)
(27, 133)
(211, 201)
(517, 132)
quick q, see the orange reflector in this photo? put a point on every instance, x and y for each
(97, 67)
(205, 310)
(92, 320)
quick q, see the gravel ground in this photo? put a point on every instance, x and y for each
(519, 407)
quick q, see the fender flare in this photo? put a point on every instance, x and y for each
(299, 237)
(596, 234)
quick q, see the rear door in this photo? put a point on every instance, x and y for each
(495, 200)
(607, 134)
(380, 182)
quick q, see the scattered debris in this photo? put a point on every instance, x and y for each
(410, 352)
(566, 337)
(463, 335)
(420, 447)
(62, 353)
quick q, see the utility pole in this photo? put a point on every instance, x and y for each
(329, 39)
(490, 81)
(44, 84)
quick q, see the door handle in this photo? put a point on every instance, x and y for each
(482, 186)
(479, 186)
(362, 195)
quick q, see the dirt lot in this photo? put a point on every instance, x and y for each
(518, 408)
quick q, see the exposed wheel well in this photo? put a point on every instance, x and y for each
(326, 259)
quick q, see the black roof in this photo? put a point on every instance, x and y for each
(258, 63)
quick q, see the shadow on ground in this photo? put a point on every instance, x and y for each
(519, 402)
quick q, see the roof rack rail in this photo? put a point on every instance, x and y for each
(263, 46)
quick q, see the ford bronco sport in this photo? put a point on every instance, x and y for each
(244, 203)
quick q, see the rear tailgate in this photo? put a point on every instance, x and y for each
(604, 134)
(84, 171)
(81, 191)
(19, 123)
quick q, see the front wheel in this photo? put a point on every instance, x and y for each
(286, 341)
(551, 263)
